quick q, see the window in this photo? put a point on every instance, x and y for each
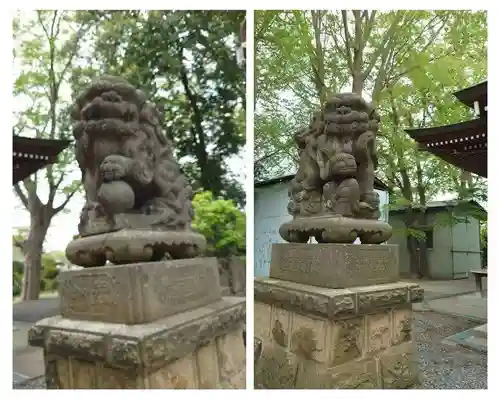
(429, 239)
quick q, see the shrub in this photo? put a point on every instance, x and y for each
(49, 273)
(222, 224)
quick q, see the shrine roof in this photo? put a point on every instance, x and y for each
(32, 154)
(474, 93)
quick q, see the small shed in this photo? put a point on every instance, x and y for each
(453, 249)
(270, 212)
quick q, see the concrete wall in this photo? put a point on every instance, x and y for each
(456, 248)
(270, 212)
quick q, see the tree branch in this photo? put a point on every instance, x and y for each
(368, 26)
(21, 195)
(65, 202)
(384, 48)
(347, 40)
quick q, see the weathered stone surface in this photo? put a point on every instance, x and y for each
(309, 337)
(231, 354)
(262, 320)
(328, 302)
(180, 374)
(238, 380)
(335, 229)
(111, 378)
(401, 325)
(138, 293)
(344, 353)
(375, 297)
(276, 368)
(280, 326)
(149, 345)
(82, 345)
(201, 348)
(416, 293)
(378, 332)
(399, 367)
(335, 265)
(361, 374)
(71, 373)
(347, 340)
(127, 246)
(208, 366)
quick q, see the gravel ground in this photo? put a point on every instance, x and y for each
(441, 366)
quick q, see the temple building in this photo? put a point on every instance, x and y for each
(29, 155)
(464, 144)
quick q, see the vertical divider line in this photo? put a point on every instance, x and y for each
(250, 105)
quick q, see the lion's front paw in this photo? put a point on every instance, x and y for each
(111, 171)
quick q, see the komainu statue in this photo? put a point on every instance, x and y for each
(332, 197)
(138, 203)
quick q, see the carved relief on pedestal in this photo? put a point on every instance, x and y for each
(309, 338)
(280, 326)
(378, 331)
(402, 325)
(347, 340)
(181, 374)
(398, 367)
(231, 353)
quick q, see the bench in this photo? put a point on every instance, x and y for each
(478, 276)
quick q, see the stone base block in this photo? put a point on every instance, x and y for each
(325, 338)
(335, 265)
(140, 292)
(335, 303)
(201, 348)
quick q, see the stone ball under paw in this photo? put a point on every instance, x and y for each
(117, 196)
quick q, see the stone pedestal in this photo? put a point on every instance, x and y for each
(316, 334)
(146, 325)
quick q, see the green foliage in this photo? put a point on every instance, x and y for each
(17, 277)
(48, 282)
(49, 267)
(222, 224)
(17, 267)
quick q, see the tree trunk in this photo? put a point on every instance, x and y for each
(33, 255)
(414, 255)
